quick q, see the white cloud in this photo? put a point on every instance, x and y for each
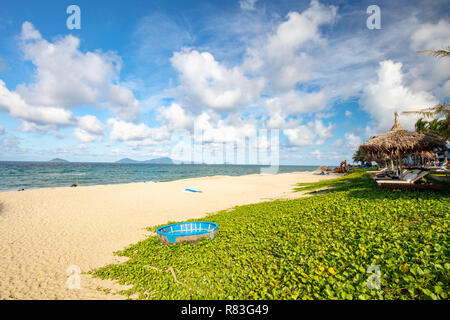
(84, 136)
(302, 136)
(11, 144)
(231, 129)
(352, 141)
(65, 77)
(294, 102)
(338, 143)
(128, 131)
(26, 126)
(282, 57)
(431, 36)
(314, 133)
(17, 107)
(325, 115)
(176, 117)
(91, 124)
(122, 102)
(207, 83)
(29, 32)
(348, 113)
(2, 130)
(389, 94)
(431, 73)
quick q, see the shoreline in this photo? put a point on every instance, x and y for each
(149, 181)
(45, 231)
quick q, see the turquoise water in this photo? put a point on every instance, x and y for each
(31, 175)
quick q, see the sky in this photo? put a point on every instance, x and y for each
(142, 79)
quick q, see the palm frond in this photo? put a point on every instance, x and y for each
(422, 113)
(438, 53)
(440, 109)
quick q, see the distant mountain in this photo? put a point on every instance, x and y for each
(58, 160)
(127, 160)
(163, 160)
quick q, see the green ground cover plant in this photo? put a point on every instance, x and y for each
(317, 247)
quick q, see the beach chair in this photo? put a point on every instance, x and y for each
(378, 171)
(390, 175)
(409, 181)
(442, 169)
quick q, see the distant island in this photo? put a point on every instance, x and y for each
(127, 160)
(163, 160)
(58, 160)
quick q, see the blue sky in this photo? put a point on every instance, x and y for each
(139, 75)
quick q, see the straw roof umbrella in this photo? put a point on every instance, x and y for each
(398, 143)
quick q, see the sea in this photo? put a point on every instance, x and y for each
(32, 175)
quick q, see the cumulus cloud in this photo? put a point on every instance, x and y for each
(26, 126)
(122, 102)
(84, 136)
(431, 36)
(430, 73)
(65, 77)
(176, 117)
(230, 129)
(313, 133)
(128, 131)
(337, 143)
(282, 57)
(91, 124)
(207, 83)
(389, 94)
(352, 141)
(17, 107)
(295, 102)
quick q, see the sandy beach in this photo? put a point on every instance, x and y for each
(45, 231)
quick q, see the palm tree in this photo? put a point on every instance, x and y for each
(433, 112)
(439, 128)
(442, 109)
(358, 156)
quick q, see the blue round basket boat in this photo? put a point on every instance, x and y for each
(187, 232)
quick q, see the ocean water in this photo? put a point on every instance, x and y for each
(32, 175)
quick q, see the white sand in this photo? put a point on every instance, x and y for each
(43, 232)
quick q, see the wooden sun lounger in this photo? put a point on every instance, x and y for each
(378, 171)
(441, 171)
(404, 172)
(402, 184)
(401, 181)
(411, 186)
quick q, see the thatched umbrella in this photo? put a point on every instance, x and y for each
(398, 143)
